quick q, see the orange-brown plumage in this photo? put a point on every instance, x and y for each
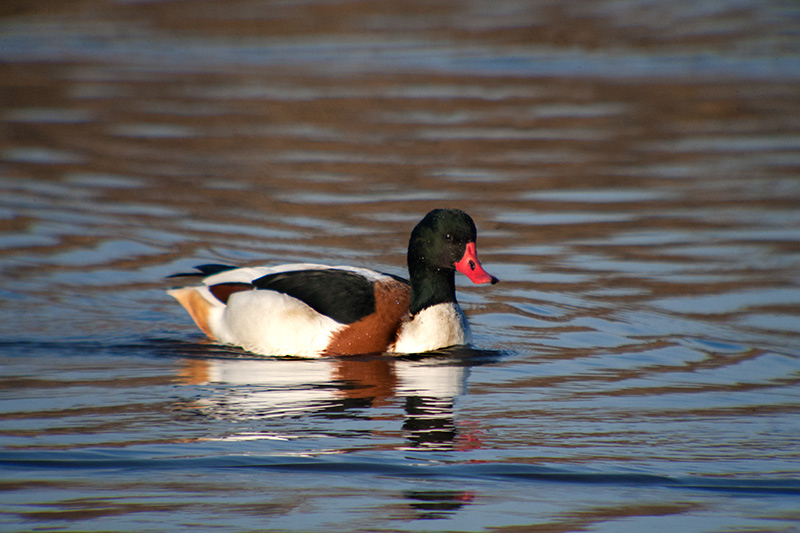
(377, 331)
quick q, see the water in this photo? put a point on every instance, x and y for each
(633, 171)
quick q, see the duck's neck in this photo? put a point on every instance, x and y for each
(431, 286)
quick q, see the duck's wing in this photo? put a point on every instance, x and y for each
(343, 295)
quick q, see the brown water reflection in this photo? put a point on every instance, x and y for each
(633, 172)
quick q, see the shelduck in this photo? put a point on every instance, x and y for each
(310, 310)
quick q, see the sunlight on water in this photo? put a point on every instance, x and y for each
(632, 171)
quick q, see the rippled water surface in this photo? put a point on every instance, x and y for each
(634, 172)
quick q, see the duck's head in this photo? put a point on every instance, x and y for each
(445, 240)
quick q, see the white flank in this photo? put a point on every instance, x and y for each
(272, 323)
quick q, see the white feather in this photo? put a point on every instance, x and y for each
(272, 323)
(434, 327)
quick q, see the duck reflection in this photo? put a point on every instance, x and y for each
(430, 389)
(425, 387)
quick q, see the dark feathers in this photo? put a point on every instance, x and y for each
(203, 271)
(344, 296)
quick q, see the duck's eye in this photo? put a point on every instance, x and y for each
(448, 237)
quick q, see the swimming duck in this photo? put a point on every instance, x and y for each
(310, 310)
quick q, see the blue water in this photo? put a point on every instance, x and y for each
(633, 172)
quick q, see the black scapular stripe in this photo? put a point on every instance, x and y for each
(204, 271)
(344, 296)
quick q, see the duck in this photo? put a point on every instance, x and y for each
(313, 310)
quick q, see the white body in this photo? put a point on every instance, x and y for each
(272, 323)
